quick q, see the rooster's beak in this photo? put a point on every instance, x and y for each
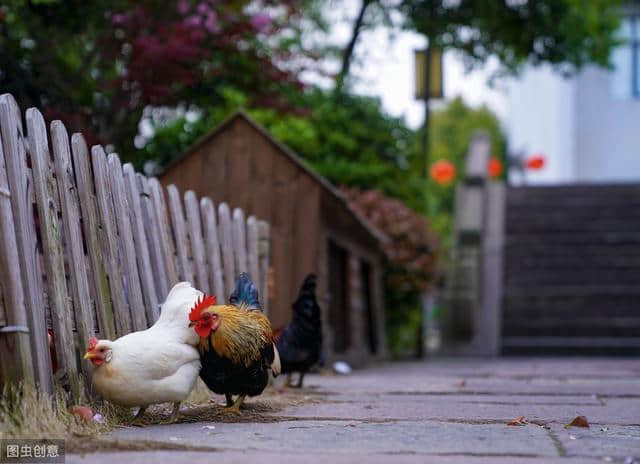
(89, 355)
(191, 324)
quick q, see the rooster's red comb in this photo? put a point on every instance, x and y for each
(201, 303)
(93, 341)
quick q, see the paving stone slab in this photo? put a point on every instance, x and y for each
(619, 442)
(476, 407)
(235, 457)
(450, 411)
(357, 437)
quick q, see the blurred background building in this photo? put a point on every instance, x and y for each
(587, 126)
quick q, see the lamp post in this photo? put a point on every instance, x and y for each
(428, 84)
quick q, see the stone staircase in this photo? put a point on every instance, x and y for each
(572, 270)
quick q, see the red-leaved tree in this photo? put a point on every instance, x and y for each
(98, 65)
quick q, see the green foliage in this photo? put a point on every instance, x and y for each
(113, 61)
(348, 138)
(565, 33)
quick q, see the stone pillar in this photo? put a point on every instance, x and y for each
(488, 318)
(465, 278)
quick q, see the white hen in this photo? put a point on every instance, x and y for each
(157, 365)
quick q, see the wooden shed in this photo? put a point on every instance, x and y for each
(313, 229)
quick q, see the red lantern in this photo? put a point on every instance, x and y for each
(495, 167)
(535, 162)
(443, 172)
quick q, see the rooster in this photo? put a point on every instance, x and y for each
(300, 343)
(156, 365)
(236, 344)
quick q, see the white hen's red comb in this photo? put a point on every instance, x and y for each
(93, 341)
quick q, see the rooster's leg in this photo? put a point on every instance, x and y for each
(229, 399)
(299, 385)
(235, 408)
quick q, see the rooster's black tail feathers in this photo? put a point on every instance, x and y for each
(245, 293)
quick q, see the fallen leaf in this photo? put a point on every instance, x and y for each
(461, 383)
(209, 427)
(517, 421)
(578, 421)
(82, 412)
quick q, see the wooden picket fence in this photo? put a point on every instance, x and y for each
(88, 247)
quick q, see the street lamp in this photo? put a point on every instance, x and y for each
(429, 83)
(428, 75)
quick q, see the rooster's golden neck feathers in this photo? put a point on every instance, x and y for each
(240, 336)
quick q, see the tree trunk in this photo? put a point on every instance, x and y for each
(348, 51)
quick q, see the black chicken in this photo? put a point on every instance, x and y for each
(300, 343)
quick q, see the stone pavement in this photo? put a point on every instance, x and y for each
(449, 411)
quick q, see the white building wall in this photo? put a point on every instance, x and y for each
(608, 131)
(541, 120)
(587, 127)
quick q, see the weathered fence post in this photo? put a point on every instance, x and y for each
(125, 234)
(197, 243)
(78, 275)
(145, 270)
(252, 252)
(110, 241)
(15, 349)
(168, 252)
(263, 262)
(45, 193)
(180, 233)
(240, 242)
(21, 197)
(225, 234)
(154, 238)
(94, 236)
(213, 247)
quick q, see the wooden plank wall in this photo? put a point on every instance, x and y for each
(241, 166)
(93, 244)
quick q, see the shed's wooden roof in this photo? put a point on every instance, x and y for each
(291, 155)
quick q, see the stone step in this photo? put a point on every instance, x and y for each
(574, 194)
(516, 278)
(540, 240)
(579, 291)
(526, 262)
(605, 346)
(572, 270)
(558, 226)
(573, 327)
